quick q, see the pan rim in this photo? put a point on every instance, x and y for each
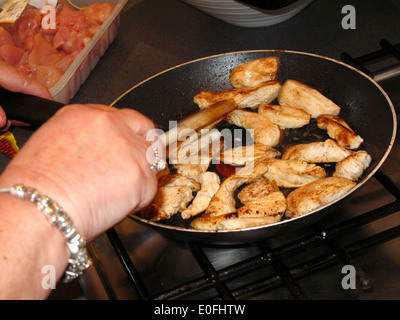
(280, 223)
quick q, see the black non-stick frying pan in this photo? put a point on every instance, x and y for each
(365, 106)
(169, 96)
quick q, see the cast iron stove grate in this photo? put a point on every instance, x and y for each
(248, 278)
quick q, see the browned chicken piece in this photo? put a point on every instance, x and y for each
(284, 116)
(316, 194)
(223, 202)
(207, 223)
(246, 222)
(210, 183)
(299, 95)
(230, 221)
(239, 156)
(193, 171)
(293, 173)
(178, 180)
(317, 152)
(272, 205)
(353, 166)
(255, 190)
(252, 73)
(266, 92)
(197, 148)
(168, 201)
(261, 129)
(193, 166)
(339, 130)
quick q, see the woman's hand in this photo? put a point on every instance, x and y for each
(92, 160)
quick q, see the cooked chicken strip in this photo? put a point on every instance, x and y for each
(316, 195)
(246, 222)
(317, 152)
(193, 166)
(223, 201)
(193, 171)
(299, 95)
(210, 183)
(201, 144)
(353, 166)
(230, 222)
(292, 173)
(178, 180)
(339, 130)
(168, 202)
(284, 116)
(261, 129)
(244, 97)
(239, 156)
(273, 205)
(255, 190)
(252, 73)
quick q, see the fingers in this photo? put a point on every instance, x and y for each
(3, 119)
(137, 121)
(14, 80)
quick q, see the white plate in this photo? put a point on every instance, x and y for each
(242, 15)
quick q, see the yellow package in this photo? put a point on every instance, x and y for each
(8, 144)
(12, 10)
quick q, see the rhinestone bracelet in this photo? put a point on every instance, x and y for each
(79, 259)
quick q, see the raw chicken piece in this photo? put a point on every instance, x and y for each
(255, 190)
(353, 166)
(285, 117)
(252, 73)
(70, 40)
(6, 37)
(210, 183)
(339, 130)
(244, 97)
(168, 201)
(292, 173)
(261, 128)
(223, 202)
(27, 25)
(72, 19)
(299, 95)
(11, 54)
(317, 152)
(98, 11)
(43, 52)
(239, 156)
(48, 75)
(316, 195)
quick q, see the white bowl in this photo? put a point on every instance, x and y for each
(240, 14)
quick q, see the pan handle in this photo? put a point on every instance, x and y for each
(26, 108)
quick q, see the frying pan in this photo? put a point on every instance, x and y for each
(365, 107)
(169, 96)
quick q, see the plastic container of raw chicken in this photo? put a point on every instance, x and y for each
(79, 70)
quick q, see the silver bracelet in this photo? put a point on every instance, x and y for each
(79, 259)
